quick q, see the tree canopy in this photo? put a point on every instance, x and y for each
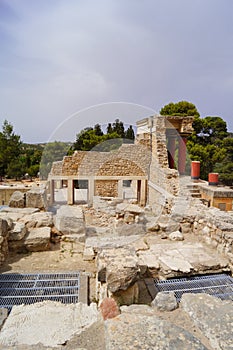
(207, 144)
(182, 108)
(10, 149)
(53, 151)
(94, 138)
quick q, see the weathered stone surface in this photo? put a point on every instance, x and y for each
(213, 316)
(165, 301)
(123, 229)
(39, 219)
(70, 220)
(109, 308)
(38, 239)
(3, 316)
(136, 331)
(186, 227)
(175, 263)
(101, 242)
(153, 226)
(176, 236)
(127, 207)
(171, 259)
(167, 224)
(17, 200)
(10, 218)
(49, 323)
(3, 228)
(20, 211)
(121, 267)
(3, 240)
(36, 198)
(88, 254)
(18, 231)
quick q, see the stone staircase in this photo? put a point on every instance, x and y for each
(194, 190)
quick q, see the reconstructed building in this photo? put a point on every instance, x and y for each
(148, 164)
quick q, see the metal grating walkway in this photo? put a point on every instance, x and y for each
(220, 286)
(17, 289)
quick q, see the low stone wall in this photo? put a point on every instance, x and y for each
(214, 227)
(3, 240)
(216, 232)
(6, 193)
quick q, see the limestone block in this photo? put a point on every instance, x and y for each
(127, 207)
(38, 239)
(134, 330)
(17, 200)
(70, 220)
(148, 260)
(120, 228)
(213, 317)
(88, 254)
(167, 224)
(3, 240)
(165, 301)
(3, 316)
(3, 228)
(176, 236)
(36, 198)
(120, 266)
(206, 230)
(153, 227)
(49, 323)
(175, 263)
(40, 219)
(186, 227)
(19, 211)
(18, 231)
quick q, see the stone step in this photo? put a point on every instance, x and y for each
(196, 195)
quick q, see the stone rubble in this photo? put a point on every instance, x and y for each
(17, 200)
(165, 301)
(201, 322)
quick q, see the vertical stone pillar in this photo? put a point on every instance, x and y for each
(59, 184)
(171, 147)
(70, 192)
(182, 155)
(91, 191)
(51, 192)
(143, 193)
(134, 188)
(120, 189)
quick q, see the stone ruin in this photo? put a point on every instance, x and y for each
(161, 232)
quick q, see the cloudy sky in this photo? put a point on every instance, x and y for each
(61, 56)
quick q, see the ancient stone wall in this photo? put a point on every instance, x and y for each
(213, 227)
(129, 159)
(106, 188)
(3, 240)
(160, 175)
(217, 233)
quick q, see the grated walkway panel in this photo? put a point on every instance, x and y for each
(220, 286)
(17, 289)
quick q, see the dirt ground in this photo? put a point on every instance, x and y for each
(62, 257)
